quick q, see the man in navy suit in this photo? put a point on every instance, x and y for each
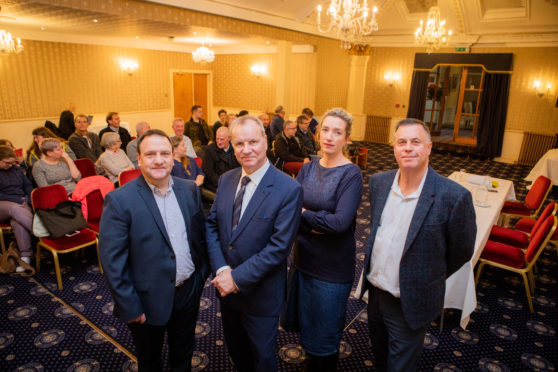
(250, 231)
(153, 250)
(422, 230)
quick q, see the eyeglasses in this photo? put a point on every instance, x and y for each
(13, 162)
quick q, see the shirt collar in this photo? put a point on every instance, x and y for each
(157, 191)
(414, 195)
(257, 176)
(113, 128)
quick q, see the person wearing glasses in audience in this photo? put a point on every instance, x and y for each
(114, 160)
(85, 144)
(324, 256)
(15, 195)
(55, 166)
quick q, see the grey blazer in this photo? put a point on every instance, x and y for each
(441, 238)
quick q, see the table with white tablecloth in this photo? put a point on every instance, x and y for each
(546, 166)
(460, 287)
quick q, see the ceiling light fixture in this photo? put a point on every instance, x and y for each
(203, 55)
(433, 34)
(349, 20)
(8, 45)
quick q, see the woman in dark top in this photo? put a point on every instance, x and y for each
(324, 259)
(15, 195)
(185, 166)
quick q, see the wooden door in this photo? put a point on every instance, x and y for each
(189, 89)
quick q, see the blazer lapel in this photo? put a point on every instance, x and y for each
(229, 193)
(147, 195)
(262, 191)
(379, 202)
(423, 207)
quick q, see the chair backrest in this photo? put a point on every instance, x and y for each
(198, 161)
(94, 204)
(550, 210)
(85, 167)
(540, 238)
(48, 196)
(537, 195)
(126, 176)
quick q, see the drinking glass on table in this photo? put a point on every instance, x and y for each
(480, 196)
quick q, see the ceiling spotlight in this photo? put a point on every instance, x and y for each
(137, 37)
(195, 33)
(267, 42)
(95, 20)
(42, 28)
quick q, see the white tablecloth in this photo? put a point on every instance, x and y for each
(460, 287)
(547, 166)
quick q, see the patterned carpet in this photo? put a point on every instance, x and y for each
(39, 333)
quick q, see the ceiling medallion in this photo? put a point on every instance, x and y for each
(433, 34)
(203, 55)
(349, 20)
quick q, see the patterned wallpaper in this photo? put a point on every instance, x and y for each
(526, 110)
(303, 82)
(332, 76)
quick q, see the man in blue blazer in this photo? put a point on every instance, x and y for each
(153, 250)
(422, 230)
(250, 231)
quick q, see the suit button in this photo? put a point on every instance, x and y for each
(230, 247)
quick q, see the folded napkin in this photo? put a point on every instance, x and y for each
(477, 180)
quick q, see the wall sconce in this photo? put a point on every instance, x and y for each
(258, 69)
(128, 65)
(392, 78)
(539, 89)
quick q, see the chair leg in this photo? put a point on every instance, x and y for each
(57, 270)
(441, 321)
(531, 277)
(38, 257)
(528, 292)
(99, 259)
(2, 244)
(479, 271)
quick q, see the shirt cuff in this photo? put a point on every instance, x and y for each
(222, 268)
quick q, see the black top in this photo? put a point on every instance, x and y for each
(326, 237)
(124, 136)
(14, 185)
(66, 124)
(215, 162)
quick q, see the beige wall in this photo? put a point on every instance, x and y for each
(526, 110)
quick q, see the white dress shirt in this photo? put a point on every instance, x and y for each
(391, 235)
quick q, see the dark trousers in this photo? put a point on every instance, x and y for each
(148, 339)
(250, 340)
(395, 346)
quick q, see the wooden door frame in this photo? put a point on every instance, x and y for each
(209, 108)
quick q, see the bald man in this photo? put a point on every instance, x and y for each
(218, 158)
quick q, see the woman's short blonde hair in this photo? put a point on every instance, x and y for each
(343, 115)
(49, 144)
(109, 139)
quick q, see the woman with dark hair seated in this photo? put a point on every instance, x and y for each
(15, 193)
(34, 153)
(114, 160)
(55, 166)
(185, 166)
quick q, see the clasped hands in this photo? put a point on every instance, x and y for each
(224, 283)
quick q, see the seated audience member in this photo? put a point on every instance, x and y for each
(113, 125)
(66, 125)
(310, 116)
(34, 153)
(114, 160)
(85, 144)
(222, 122)
(55, 166)
(218, 158)
(19, 158)
(278, 121)
(197, 129)
(185, 166)
(132, 148)
(178, 129)
(242, 113)
(230, 118)
(15, 194)
(305, 135)
(264, 118)
(289, 151)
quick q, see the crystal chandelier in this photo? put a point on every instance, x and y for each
(8, 45)
(203, 55)
(349, 20)
(433, 34)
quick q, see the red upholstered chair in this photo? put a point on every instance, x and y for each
(292, 168)
(126, 176)
(85, 167)
(520, 238)
(198, 161)
(94, 210)
(511, 258)
(533, 201)
(4, 228)
(48, 197)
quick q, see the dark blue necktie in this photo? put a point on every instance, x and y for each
(238, 201)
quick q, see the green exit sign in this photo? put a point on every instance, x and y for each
(461, 49)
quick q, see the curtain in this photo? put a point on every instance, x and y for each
(492, 115)
(417, 98)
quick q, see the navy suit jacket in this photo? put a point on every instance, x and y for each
(258, 249)
(136, 253)
(441, 238)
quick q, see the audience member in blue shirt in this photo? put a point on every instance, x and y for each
(185, 166)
